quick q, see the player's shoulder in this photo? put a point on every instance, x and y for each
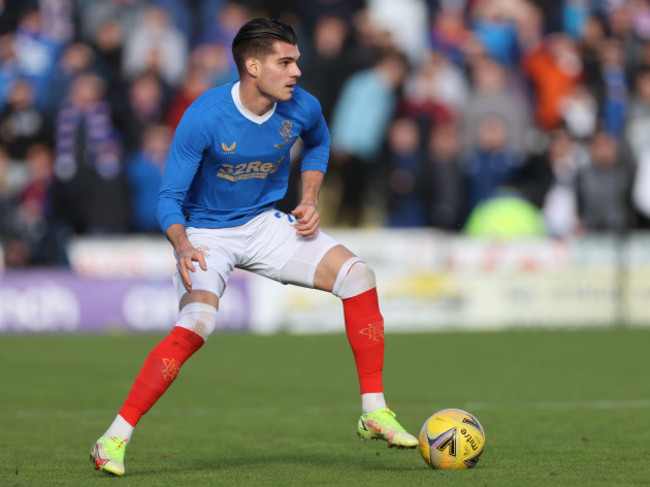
(303, 98)
(303, 103)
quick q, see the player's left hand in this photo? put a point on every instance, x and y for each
(308, 220)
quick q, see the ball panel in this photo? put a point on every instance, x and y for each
(452, 439)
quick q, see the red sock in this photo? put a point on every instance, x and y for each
(159, 371)
(364, 326)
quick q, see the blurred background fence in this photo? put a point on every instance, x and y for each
(428, 281)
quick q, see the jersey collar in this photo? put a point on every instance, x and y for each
(258, 119)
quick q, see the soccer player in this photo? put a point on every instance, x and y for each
(228, 165)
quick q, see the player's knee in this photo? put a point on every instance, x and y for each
(354, 278)
(199, 318)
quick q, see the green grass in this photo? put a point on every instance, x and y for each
(559, 408)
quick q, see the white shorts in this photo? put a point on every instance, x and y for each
(266, 245)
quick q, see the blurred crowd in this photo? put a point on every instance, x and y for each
(437, 109)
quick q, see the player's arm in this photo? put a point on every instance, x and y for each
(307, 210)
(185, 156)
(315, 155)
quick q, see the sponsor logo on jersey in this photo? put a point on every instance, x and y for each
(286, 131)
(228, 149)
(248, 170)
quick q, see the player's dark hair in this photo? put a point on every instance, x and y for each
(256, 37)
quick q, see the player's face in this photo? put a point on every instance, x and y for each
(279, 72)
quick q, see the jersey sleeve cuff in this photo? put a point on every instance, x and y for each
(168, 221)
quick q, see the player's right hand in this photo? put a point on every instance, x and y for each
(186, 258)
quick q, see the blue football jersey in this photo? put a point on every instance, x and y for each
(226, 165)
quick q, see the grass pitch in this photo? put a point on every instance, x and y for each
(559, 409)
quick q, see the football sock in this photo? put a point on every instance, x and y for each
(159, 371)
(364, 326)
(120, 428)
(371, 401)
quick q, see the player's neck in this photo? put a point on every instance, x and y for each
(253, 99)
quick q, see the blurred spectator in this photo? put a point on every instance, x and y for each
(94, 13)
(144, 104)
(593, 37)
(490, 164)
(33, 235)
(361, 117)
(155, 45)
(5, 194)
(638, 116)
(58, 19)
(225, 24)
(641, 192)
(37, 53)
(108, 46)
(191, 17)
(494, 25)
(621, 26)
(9, 14)
(9, 68)
(548, 180)
(435, 92)
(368, 41)
(555, 68)
(640, 18)
(444, 178)
(144, 173)
(575, 17)
(579, 110)
(604, 186)
(614, 87)
(450, 34)
(406, 21)
(326, 63)
(494, 95)
(194, 84)
(216, 63)
(636, 135)
(76, 59)
(407, 186)
(90, 189)
(310, 12)
(21, 123)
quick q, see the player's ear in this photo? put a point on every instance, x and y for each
(252, 67)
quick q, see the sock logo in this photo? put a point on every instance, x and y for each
(171, 369)
(374, 332)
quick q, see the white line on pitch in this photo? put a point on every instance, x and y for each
(318, 410)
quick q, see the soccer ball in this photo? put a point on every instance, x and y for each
(451, 439)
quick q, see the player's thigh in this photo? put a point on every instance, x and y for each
(199, 296)
(220, 249)
(287, 257)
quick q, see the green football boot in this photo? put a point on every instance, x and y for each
(107, 454)
(382, 425)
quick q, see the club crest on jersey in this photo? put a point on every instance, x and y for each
(228, 149)
(286, 131)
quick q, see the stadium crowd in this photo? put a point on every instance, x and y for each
(435, 107)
